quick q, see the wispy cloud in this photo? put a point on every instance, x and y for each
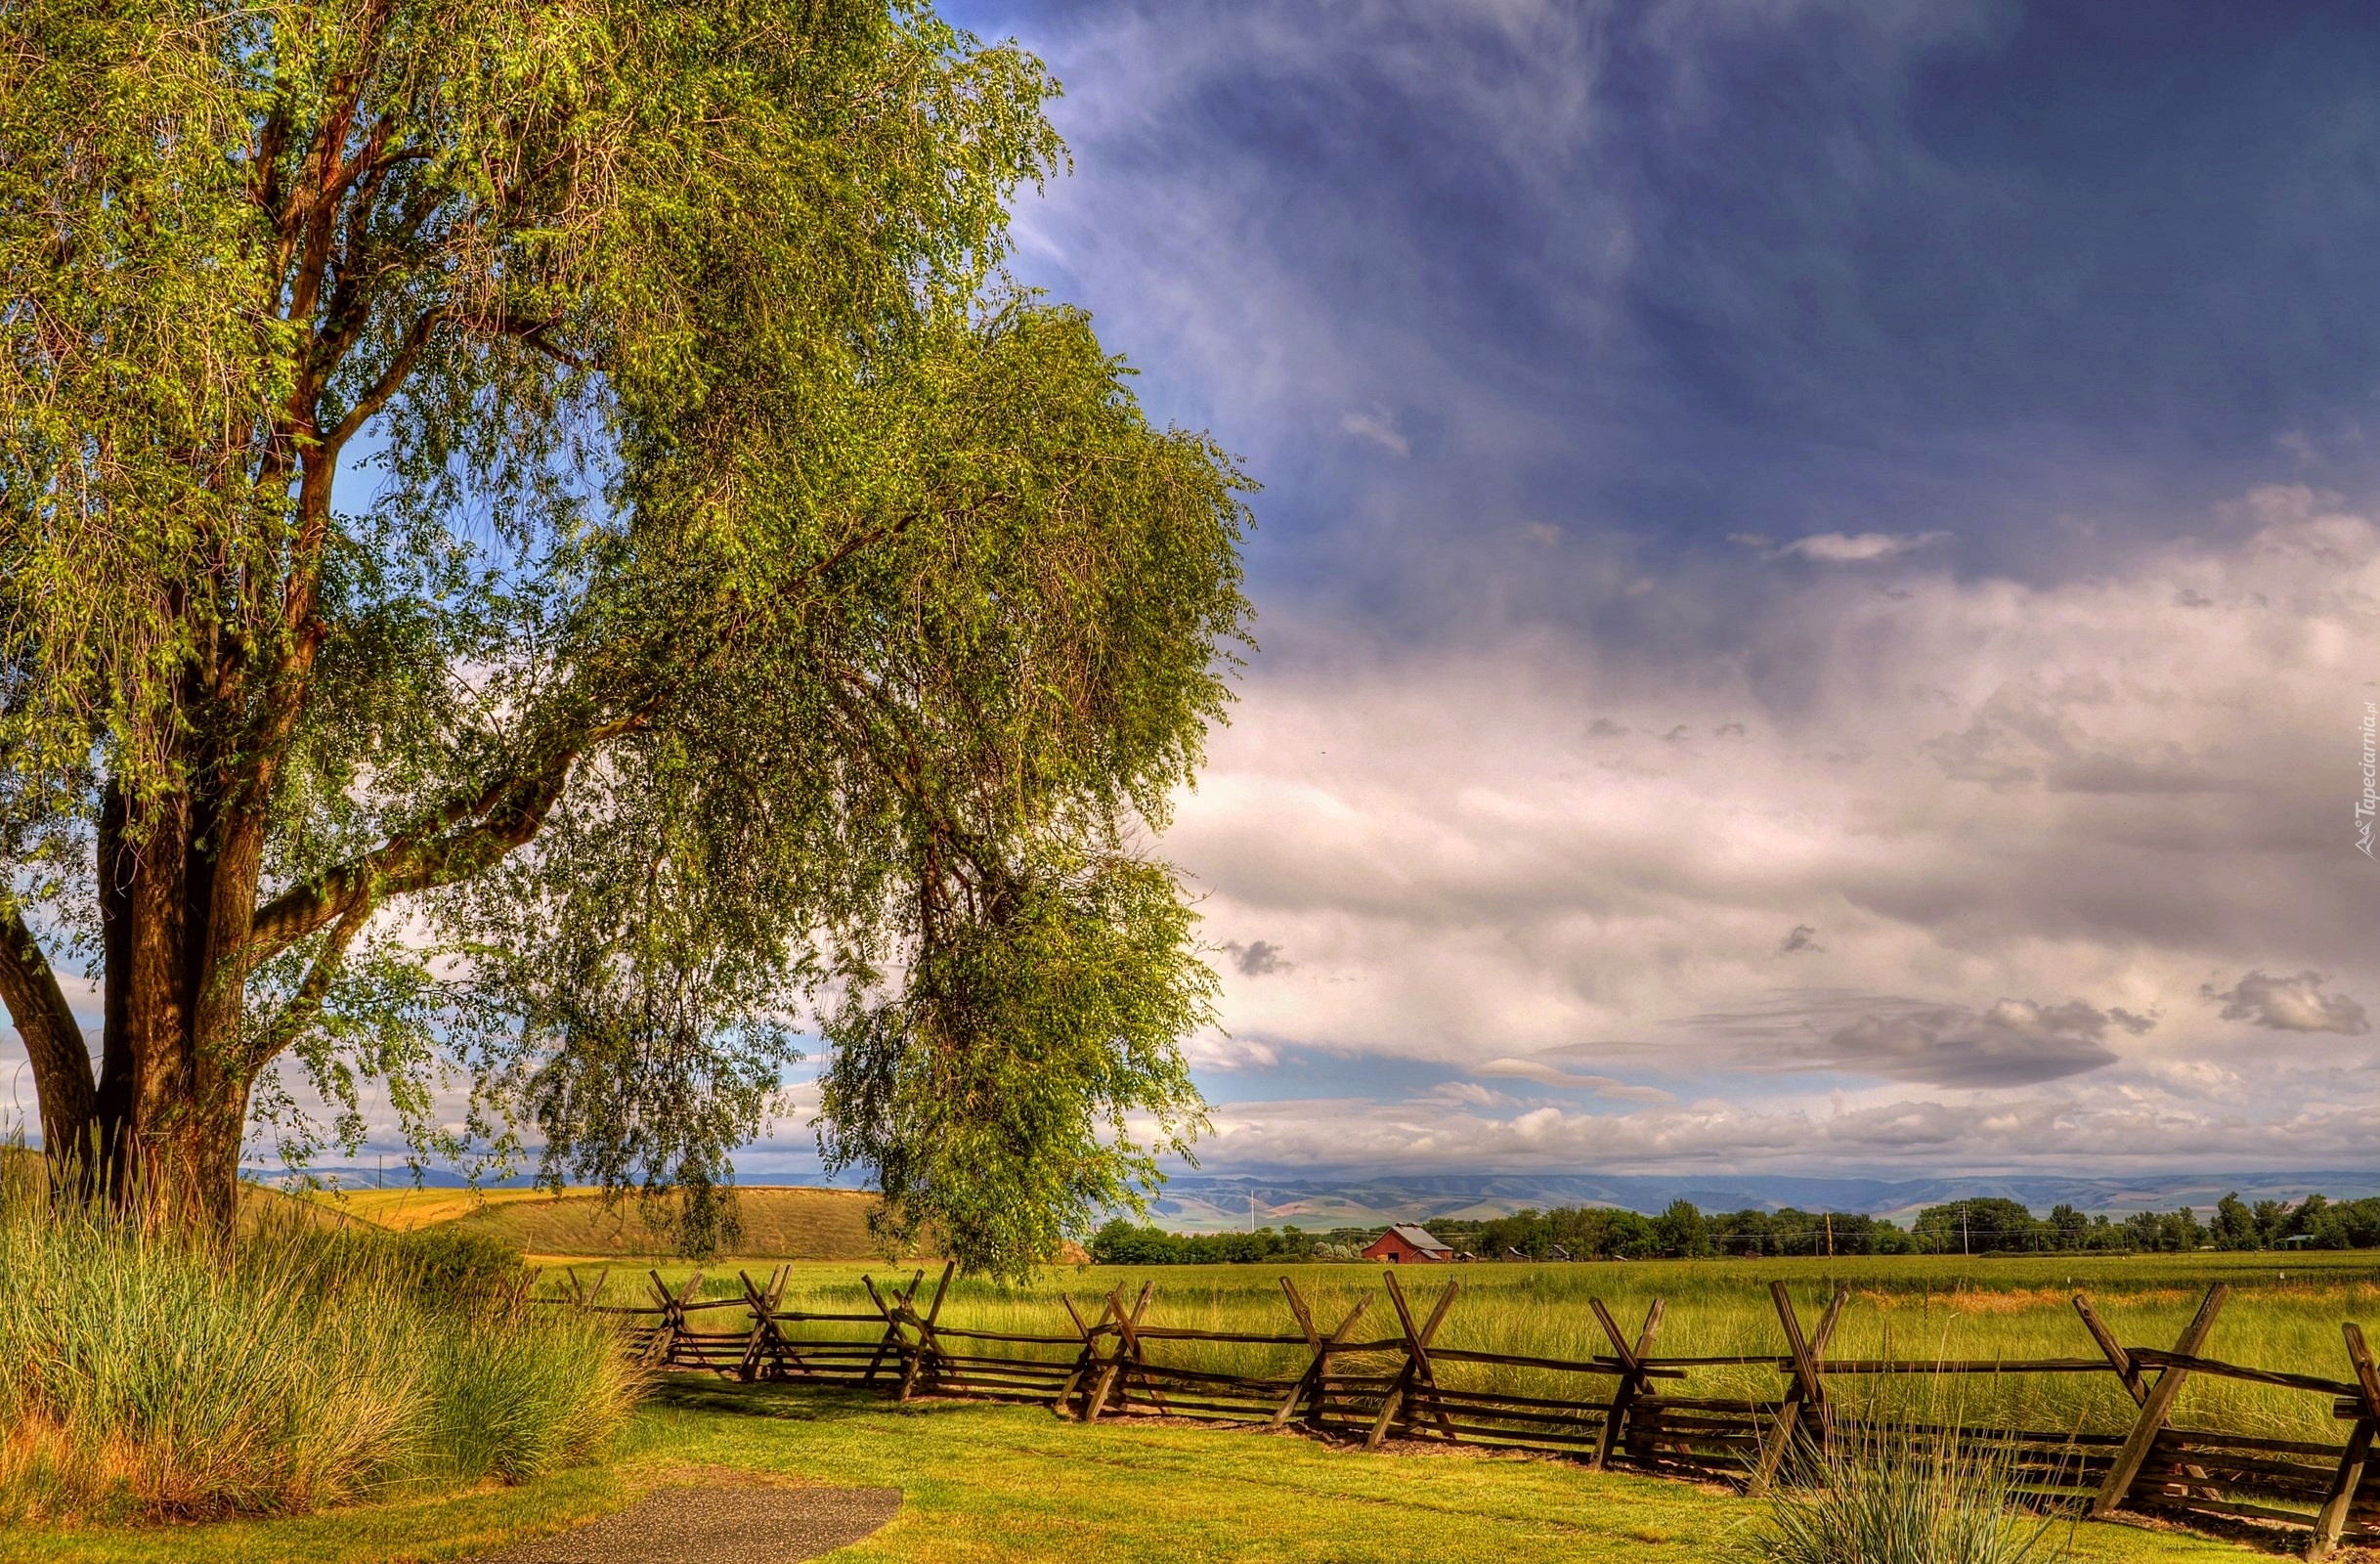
(1379, 428)
(1841, 548)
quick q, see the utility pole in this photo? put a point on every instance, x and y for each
(1830, 1235)
(1963, 1248)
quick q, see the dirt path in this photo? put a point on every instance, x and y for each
(716, 1526)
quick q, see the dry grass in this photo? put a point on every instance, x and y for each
(144, 1376)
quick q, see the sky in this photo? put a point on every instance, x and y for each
(1818, 571)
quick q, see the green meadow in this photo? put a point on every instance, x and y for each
(2284, 1313)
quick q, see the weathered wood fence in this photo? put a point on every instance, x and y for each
(1613, 1409)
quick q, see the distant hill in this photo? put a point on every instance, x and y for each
(1311, 1198)
(778, 1224)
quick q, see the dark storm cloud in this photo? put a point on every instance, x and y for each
(2014, 1042)
(1852, 277)
(1258, 959)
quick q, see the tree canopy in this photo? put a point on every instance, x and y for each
(537, 547)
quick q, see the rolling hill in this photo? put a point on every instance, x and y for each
(778, 1223)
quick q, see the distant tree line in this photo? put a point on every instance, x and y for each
(1682, 1231)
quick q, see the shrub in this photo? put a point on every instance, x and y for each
(154, 1378)
(1886, 1495)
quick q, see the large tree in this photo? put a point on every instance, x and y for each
(540, 549)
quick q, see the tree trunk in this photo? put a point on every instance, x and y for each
(177, 893)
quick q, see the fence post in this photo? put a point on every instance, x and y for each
(1128, 1335)
(925, 1331)
(2117, 1358)
(1083, 1360)
(1808, 1388)
(663, 1348)
(1632, 1380)
(1416, 1368)
(2129, 1372)
(1312, 1383)
(894, 1342)
(2332, 1520)
(891, 1341)
(1111, 1374)
(766, 1336)
(2157, 1408)
(1314, 1345)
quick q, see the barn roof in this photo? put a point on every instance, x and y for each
(1420, 1238)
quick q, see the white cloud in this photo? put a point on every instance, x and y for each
(2028, 817)
(2290, 1005)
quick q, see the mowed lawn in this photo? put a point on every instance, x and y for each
(1004, 1485)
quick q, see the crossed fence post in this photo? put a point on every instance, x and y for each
(2331, 1520)
(1084, 1360)
(892, 1341)
(663, 1348)
(1127, 1351)
(927, 1347)
(766, 1338)
(1309, 1386)
(1416, 1371)
(1807, 1393)
(1634, 1380)
(2156, 1407)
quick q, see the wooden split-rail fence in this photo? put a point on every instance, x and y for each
(1623, 1406)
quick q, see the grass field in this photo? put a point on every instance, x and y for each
(991, 1484)
(2284, 1314)
(1004, 1485)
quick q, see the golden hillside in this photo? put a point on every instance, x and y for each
(779, 1223)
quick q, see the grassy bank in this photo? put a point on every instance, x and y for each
(150, 1377)
(2284, 1314)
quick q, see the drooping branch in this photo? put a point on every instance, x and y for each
(53, 1038)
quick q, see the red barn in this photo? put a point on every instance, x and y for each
(1404, 1244)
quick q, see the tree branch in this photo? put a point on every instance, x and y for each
(53, 1038)
(452, 842)
(307, 1003)
(417, 337)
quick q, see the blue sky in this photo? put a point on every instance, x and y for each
(1816, 567)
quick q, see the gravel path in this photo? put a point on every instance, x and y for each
(716, 1526)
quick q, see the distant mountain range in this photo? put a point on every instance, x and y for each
(1200, 1202)
(1315, 1200)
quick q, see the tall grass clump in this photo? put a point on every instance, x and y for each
(147, 1377)
(1884, 1495)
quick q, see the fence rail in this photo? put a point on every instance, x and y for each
(1614, 1411)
